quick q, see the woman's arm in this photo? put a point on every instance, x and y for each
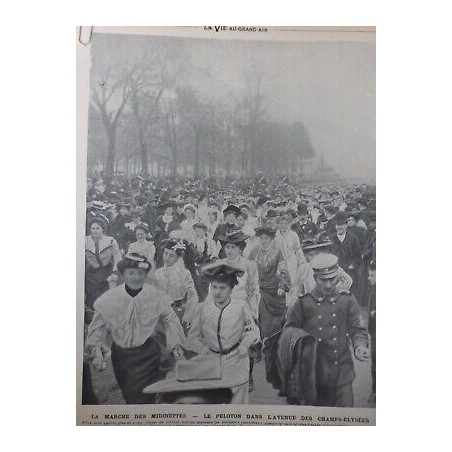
(194, 339)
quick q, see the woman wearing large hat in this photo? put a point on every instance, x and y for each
(175, 280)
(224, 325)
(133, 314)
(102, 255)
(247, 288)
(273, 282)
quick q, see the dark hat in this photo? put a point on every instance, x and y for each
(341, 217)
(271, 232)
(272, 213)
(262, 200)
(164, 204)
(175, 244)
(330, 209)
(232, 209)
(302, 209)
(220, 270)
(134, 260)
(354, 214)
(235, 236)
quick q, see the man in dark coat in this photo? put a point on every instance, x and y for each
(334, 319)
(352, 226)
(118, 225)
(151, 214)
(304, 228)
(346, 246)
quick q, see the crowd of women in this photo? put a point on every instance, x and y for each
(191, 251)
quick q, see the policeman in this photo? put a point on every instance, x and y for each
(334, 319)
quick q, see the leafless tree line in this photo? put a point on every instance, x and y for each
(151, 120)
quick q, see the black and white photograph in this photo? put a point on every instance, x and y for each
(230, 225)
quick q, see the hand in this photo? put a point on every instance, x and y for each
(98, 361)
(112, 278)
(243, 351)
(362, 353)
(178, 352)
(186, 320)
(373, 313)
(280, 292)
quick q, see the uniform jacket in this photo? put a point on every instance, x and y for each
(335, 321)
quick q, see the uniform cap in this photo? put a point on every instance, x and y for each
(325, 264)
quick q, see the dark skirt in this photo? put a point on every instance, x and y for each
(135, 368)
(95, 285)
(272, 312)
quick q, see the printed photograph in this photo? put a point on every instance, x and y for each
(230, 229)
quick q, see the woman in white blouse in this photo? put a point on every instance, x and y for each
(224, 325)
(132, 315)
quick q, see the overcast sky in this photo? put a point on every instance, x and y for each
(329, 86)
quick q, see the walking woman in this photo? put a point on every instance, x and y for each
(247, 288)
(272, 282)
(133, 315)
(101, 258)
(223, 325)
(143, 244)
(176, 281)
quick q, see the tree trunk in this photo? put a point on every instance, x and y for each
(144, 153)
(196, 159)
(109, 170)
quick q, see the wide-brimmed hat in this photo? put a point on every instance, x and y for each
(267, 230)
(232, 209)
(202, 372)
(236, 236)
(222, 270)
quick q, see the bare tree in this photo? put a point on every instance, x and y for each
(110, 97)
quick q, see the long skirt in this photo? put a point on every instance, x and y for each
(272, 312)
(240, 393)
(95, 285)
(135, 368)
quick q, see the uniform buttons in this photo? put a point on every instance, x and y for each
(334, 315)
(347, 334)
(334, 338)
(320, 339)
(320, 317)
(335, 362)
(335, 351)
(318, 304)
(334, 326)
(320, 328)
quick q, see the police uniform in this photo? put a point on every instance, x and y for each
(335, 322)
